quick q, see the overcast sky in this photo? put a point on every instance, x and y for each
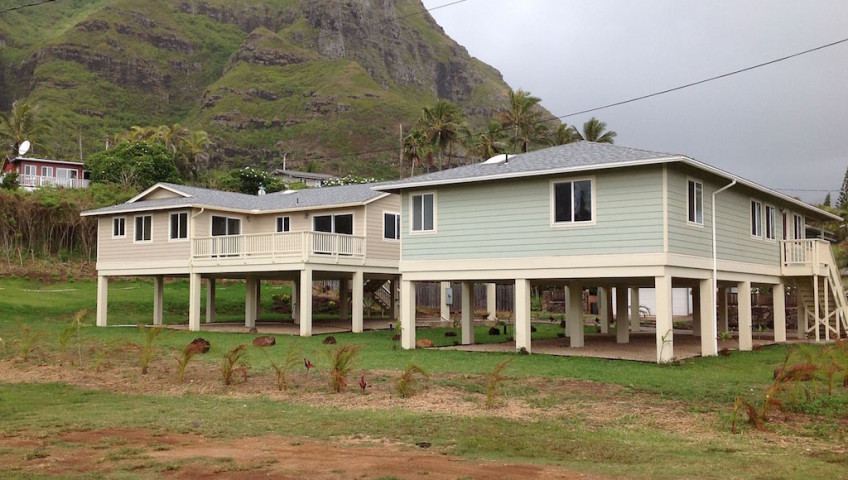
(784, 126)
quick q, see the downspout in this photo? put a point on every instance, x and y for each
(715, 264)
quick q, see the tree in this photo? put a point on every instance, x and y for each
(842, 201)
(248, 180)
(565, 134)
(134, 164)
(192, 153)
(443, 124)
(595, 130)
(22, 123)
(523, 120)
(491, 142)
(415, 148)
(827, 200)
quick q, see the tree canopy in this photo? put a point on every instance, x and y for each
(136, 164)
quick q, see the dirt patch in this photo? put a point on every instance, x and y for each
(185, 456)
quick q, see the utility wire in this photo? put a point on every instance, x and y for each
(25, 6)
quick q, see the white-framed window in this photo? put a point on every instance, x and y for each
(800, 231)
(333, 223)
(283, 224)
(178, 226)
(46, 171)
(391, 226)
(63, 172)
(143, 228)
(119, 227)
(423, 212)
(572, 202)
(695, 202)
(756, 219)
(30, 170)
(770, 219)
(225, 226)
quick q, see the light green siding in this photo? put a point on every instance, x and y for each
(512, 218)
(733, 218)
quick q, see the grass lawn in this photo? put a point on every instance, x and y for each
(597, 417)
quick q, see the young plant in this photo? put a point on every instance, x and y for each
(282, 369)
(341, 364)
(187, 354)
(493, 381)
(65, 337)
(407, 384)
(28, 340)
(308, 365)
(147, 349)
(232, 364)
(754, 417)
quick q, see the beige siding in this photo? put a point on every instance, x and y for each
(160, 193)
(377, 246)
(115, 252)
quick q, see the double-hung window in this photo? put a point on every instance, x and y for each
(179, 226)
(695, 202)
(756, 219)
(770, 219)
(423, 212)
(391, 226)
(119, 227)
(283, 224)
(143, 228)
(46, 171)
(30, 170)
(572, 202)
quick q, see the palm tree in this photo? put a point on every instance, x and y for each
(172, 136)
(523, 120)
(140, 134)
(594, 130)
(565, 134)
(489, 143)
(193, 151)
(22, 123)
(444, 125)
(416, 146)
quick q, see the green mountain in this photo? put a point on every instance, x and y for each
(318, 79)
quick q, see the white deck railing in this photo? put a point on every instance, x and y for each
(295, 244)
(804, 253)
(41, 181)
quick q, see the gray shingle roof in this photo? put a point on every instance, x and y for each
(572, 156)
(298, 199)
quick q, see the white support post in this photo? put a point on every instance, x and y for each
(158, 298)
(574, 318)
(258, 302)
(344, 292)
(295, 302)
(603, 309)
(407, 314)
(816, 305)
(467, 313)
(826, 317)
(778, 295)
(393, 290)
(697, 299)
(708, 331)
(305, 314)
(622, 320)
(722, 310)
(522, 314)
(665, 321)
(210, 300)
(194, 302)
(492, 301)
(566, 299)
(102, 300)
(743, 302)
(635, 319)
(358, 302)
(250, 302)
(445, 308)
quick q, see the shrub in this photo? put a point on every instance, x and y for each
(232, 363)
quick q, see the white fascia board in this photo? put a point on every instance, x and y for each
(156, 187)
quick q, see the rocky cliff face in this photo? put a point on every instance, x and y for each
(314, 78)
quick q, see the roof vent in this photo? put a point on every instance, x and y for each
(502, 158)
(261, 190)
(288, 192)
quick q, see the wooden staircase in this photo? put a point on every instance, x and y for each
(380, 292)
(823, 309)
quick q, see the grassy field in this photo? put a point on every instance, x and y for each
(596, 417)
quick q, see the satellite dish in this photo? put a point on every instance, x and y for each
(24, 148)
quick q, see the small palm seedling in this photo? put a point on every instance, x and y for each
(28, 340)
(407, 384)
(196, 346)
(232, 363)
(754, 418)
(493, 381)
(341, 364)
(149, 347)
(282, 369)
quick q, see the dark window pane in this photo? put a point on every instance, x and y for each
(583, 201)
(322, 223)
(388, 226)
(344, 224)
(233, 226)
(175, 226)
(139, 228)
(691, 201)
(754, 218)
(286, 224)
(183, 233)
(562, 202)
(148, 220)
(417, 215)
(219, 226)
(428, 212)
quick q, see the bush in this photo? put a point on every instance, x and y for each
(137, 164)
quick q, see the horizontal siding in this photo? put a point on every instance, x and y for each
(160, 249)
(377, 246)
(512, 219)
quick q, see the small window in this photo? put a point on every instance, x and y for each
(573, 202)
(342, 223)
(283, 224)
(695, 202)
(179, 226)
(225, 226)
(30, 170)
(770, 219)
(46, 171)
(119, 227)
(391, 226)
(423, 212)
(800, 231)
(143, 227)
(756, 219)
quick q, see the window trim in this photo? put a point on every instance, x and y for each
(278, 224)
(769, 236)
(47, 171)
(435, 228)
(171, 237)
(30, 167)
(795, 235)
(240, 220)
(759, 234)
(332, 216)
(398, 223)
(135, 229)
(115, 219)
(694, 223)
(552, 202)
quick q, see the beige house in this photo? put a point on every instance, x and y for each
(347, 233)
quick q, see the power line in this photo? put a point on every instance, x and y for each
(25, 6)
